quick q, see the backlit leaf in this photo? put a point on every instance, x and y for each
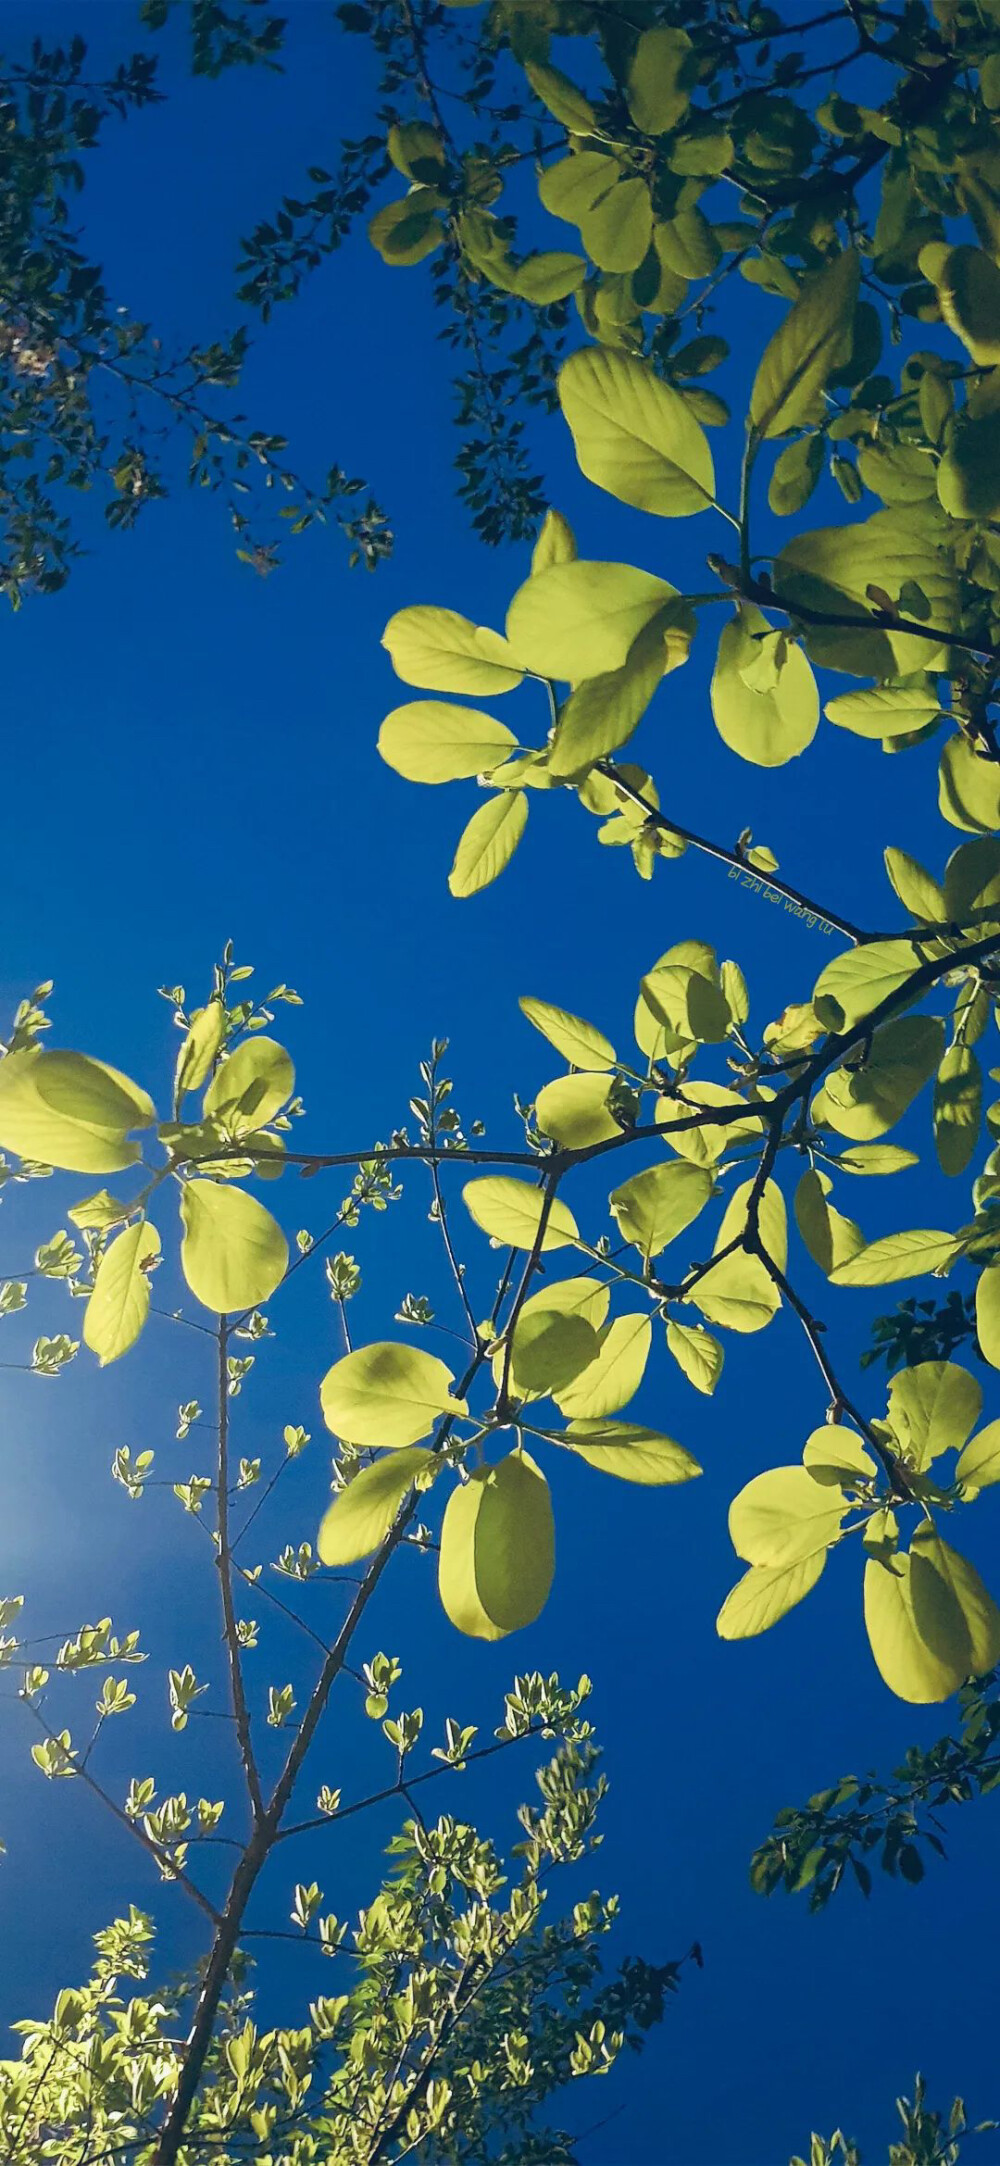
(696, 1353)
(783, 1516)
(578, 1042)
(898, 1256)
(765, 1594)
(633, 1453)
(361, 1515)
(808, 347)
(487, 844)
(387, 1395)
(497, 1549)
(660, 74)
(250, 1087)
(511, 1211)
(574, 1111)
(67, 1110)
(769, 726)
(119, 1304)
(958, 1095)
(233, 1253)
(933, 1407)
(653, 1207)
(609, 1382)
(431, 741)
(579, 618)
(443, 652)
(634, 435)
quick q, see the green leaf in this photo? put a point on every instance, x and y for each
(511, 1211)
(387, 1395)
(571, 188)
(765, 1594)
(796, 472)
(250, 1087)
(430, 741)
(565, 101)
(119, 1304)
(768, 726)
(968, 788)
(556, 544)
(917, 891)
(617, 230)
(830, 1238)
(958, 1094)
(579, 619)
(602, 713)
(933, 1408)
(988, 1313)
(968, 476)
(738, 1291)
(443, 652)
(200, 1046)
(551, 1347)
(416, 151)
(834, 1453)
(911, 1668)
(570, 1297)
(972, 879)
(66, 1110)
(633, 1453)
(814, 340)
(862, 1103)
(979, 1464)
(877, 1158)
(898, 1256)
(696, 1353)
(497, 1549)
(974, 1643)
(634, 435)
(100, 1211)
(609, 1382)
(360, 1517)
(831, 570)
(487, 844)
(884, 711)
(857, 983)
(661, 72)
(406, 231)
(578, 1042)
(784, 1516)
(704, 1146)
(654, 1207)
(233, 1253)
(968, 288)
(548, 275)
(574, 1111)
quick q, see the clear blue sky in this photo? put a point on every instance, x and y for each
(190, 755)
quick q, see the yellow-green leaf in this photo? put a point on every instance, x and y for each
(911, 1668)
(632, 1452)
(898, 1256)
(487, 844)
(988, 1313)
(771, 725)
(556, 543)
(834, 1453)
(497, 1549)
(511, 1211)
(100, 1211)
(119, 1304)
(979, 1464)
(571, 187)
(968, 476)
(571, 1297)
(877, 1158)
(387, 1395)
(602, 713)
(431, 741)
(831, 569)
(578, 1042)
(765, 1594)
(968, 288)
(738, 1292)
(884, 711)
(551, 1347)
(406, 231)
(857, 983)
(830, 1238)
(655, 1206)
(250, 1087)
(443, 652)
(579, 618)
(917, 891)
(784, 1515)
(660, 74)
(933, 1408)
(361, 1515)
(67, 1110)
(609, 1382)
(201, 1043)
(972, 1640)
(617, 230)
(862, 1103)
(574, 1111)
(696, 1353)
(968, 788)
(634, 435)
(958, 1094)
(233, 1253)
(703, 1146)
(565, 101)
(808, 347)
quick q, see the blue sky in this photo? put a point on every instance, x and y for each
(190, 756)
